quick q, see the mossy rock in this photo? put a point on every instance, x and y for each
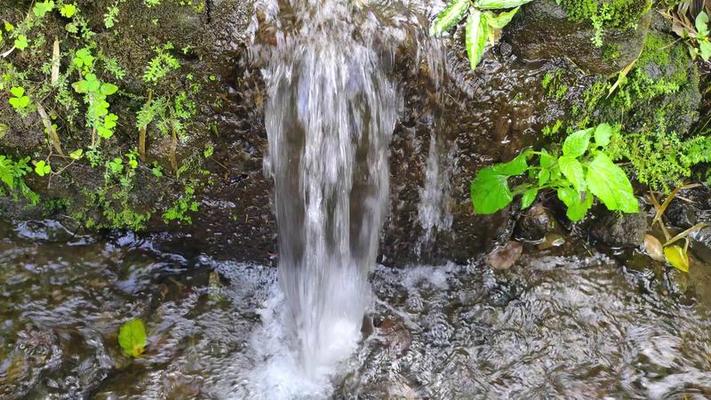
(547, 30)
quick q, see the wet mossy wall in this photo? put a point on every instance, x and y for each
(545, 78)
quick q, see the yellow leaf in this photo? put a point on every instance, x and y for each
(677, 257)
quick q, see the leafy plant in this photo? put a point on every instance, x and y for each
(42, 168)
(111, 15)
(132, 338)
(68, 10)
(696, 32)
(161, 64)
(19, 101)
(581, 171)
(483, 27)
(12, 174)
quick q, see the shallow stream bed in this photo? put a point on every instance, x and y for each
(553, 327)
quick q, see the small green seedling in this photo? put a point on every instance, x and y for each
(19, 101)
(42, 168)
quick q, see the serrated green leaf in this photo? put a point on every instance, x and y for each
(499, 21)
(450, 16)
(528, 197)
(603, 133)
(702, 24)
(132, 338)
(499, 4)
(517, 166)
(608, 182)
(544, 175)
(677, 257)
(576, 144)
(477, 31)
(547, 160)
(573, 171)
(490, 192)
(577, 203)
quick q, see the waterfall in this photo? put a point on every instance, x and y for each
(330, 113)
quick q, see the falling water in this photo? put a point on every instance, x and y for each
(330, 113)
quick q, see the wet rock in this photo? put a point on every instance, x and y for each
(504, 257)
(543, 30)
(536, 223)
(396, 336)
(623, 230)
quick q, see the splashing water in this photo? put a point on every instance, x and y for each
(329, 118)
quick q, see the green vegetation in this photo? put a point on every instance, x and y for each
(581, 170)
(483, 27)
(132, 338)
(654, 101)
(65, 80)
(606, 14)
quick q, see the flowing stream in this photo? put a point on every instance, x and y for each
(564, 327)
(329, 117)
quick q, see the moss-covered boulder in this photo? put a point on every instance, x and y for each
(599, 36)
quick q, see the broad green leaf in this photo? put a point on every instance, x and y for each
(19, 103)
(21, 42)
(573, 171)
(547, 160)
(450, 16)
(517, 166)
(499, 4)
(603, 133)
(702, 24)
(477, 31)
(132, 337)
(68, 10)
(544, 175)
(609, 183)
(577, 203)
(42, 8)
(490, 192)
(528, 197)
(705, 48)
(501, 20)
(677, 257)
(108, 89)
(76, 154)
(576, 144)
(17, 91)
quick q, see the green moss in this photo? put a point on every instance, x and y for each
(655, 104)
(606, 14)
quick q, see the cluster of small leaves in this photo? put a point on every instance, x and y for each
(160, 65)
(581, 171)
(483, 26)
(95, 94)
(12, 174)
(698, 34)
(185, 204)
(111, 15)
